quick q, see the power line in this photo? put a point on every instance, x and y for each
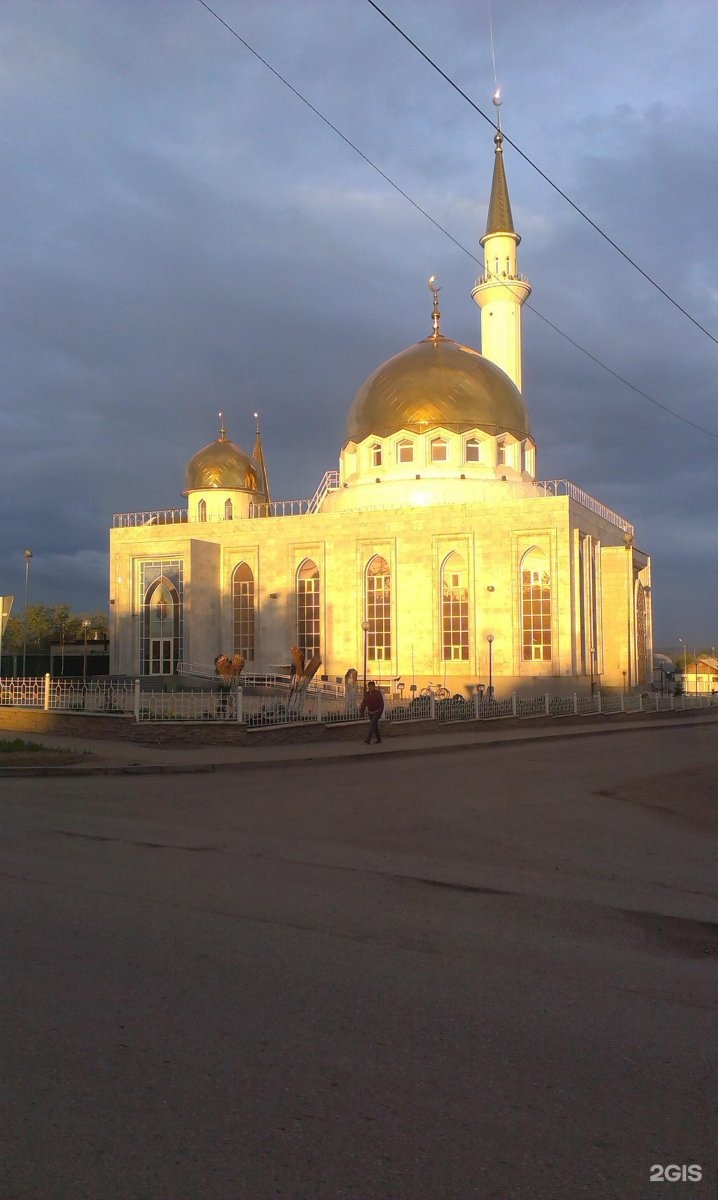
(405, 195)
(544, 176)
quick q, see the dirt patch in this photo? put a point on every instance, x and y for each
(44, 758)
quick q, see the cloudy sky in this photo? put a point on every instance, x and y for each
(181, 235)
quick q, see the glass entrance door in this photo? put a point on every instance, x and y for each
(161, 656)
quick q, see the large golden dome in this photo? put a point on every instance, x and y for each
(437, 382)
(221, 464)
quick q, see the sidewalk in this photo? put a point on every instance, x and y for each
(108, 757)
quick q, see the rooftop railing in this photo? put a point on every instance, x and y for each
(330, 482)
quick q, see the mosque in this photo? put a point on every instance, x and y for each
(433, 554)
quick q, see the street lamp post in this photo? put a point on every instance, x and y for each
(85, 626)
(490, 692)
(27, 555)
(366, 626)
(685, 665)
(630, 615)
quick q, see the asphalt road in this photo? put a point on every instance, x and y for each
(491, 974)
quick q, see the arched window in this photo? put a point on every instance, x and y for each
(472, 450)
(308, 603)
(377, 606)
(160, 627)
(202, 510)
(535, 608)
(643, 666)
(454, 609)
(439, 450)
(228, 510)
(376, 455)
(243, 595)
(502, 454)
(405, 451)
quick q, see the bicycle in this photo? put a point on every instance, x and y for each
(435, 690)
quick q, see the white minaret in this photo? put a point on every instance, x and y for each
(501, 291)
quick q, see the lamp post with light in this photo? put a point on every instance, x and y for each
(366, 626)
(490, 690)
(27, 555)
(685, 665)
(628, 543)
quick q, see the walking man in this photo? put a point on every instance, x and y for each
(373, 704)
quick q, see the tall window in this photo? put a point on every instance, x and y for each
(243, 594)
(160, 626)
(643, 665)
(228, 511)
(308, 600)
(376, 455)
(202, 510)
(378, 610)
(439, 450)
(472, 450)
(405, 451)
(454, 610)
(535, 608)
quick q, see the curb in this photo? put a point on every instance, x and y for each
(78, 770)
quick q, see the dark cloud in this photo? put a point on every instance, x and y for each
(182, 235)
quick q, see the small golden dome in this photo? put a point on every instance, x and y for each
(221, 464)
(437, 382)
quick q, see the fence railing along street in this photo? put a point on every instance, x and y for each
(312, 707)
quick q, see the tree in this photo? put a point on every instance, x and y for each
(47, 624)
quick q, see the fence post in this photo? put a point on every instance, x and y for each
(240, 695)
(476, 705)
(137, 699)
(623, 702)
(319, 706)
(671, 696)
(46, 700)
(548, 706)
(432, 707)
(640, 701)
(600, 707)
(575, 704)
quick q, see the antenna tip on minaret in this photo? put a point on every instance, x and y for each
(498, 100)
(221, 426)
(436, 315)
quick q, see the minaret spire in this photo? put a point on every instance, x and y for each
(501, 291)
(258, 456)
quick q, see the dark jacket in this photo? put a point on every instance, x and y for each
(373, 702)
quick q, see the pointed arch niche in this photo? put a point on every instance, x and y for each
(160, 627)
(377, 609)
(536, 606)
(308, 609)
(454, 609)
(243, 601)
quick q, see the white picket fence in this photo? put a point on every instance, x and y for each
(314, 707)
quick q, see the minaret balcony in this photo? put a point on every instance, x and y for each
(501, 277)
